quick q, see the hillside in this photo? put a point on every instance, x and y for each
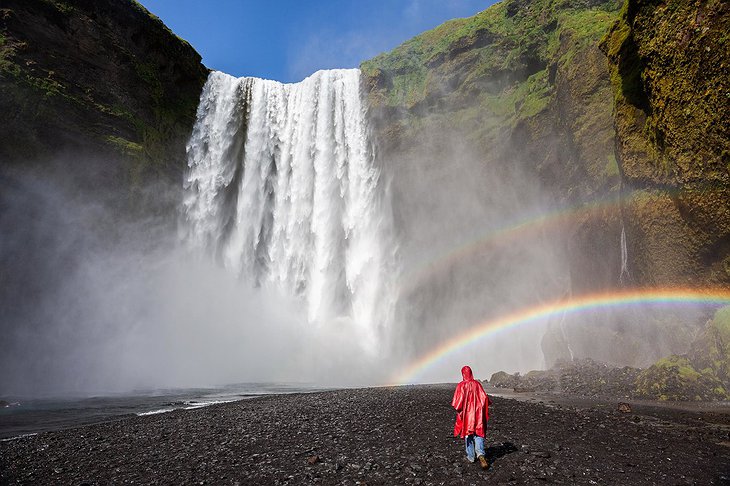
(615, 114)
(528, 71)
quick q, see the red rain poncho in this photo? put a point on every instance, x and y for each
(472, 406)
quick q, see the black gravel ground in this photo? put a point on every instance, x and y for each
(376, 436)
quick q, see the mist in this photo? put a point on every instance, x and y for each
(219, 277)
(98, 298)
(456, 206)
(449, 201)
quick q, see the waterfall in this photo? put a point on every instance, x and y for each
(283, 190)
(624, 257)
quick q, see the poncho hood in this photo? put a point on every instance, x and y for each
(466, 373)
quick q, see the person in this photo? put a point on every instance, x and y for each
(472, 406)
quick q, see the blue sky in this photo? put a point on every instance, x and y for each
(288, 40)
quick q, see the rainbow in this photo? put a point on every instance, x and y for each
(523, 317)
(514, 231)
(519, 230)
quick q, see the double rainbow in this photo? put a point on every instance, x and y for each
(529, 227)
(524, 317)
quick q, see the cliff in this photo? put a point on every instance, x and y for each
(615, 114)
(529, 72)
(523, 91)
(670, 68)
(95, 78)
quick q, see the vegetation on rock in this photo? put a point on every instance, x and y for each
(513, 70)
(101, 78)
(623, 101)
(670, 68)
(701, 374)
(674, 378)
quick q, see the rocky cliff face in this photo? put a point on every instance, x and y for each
(615, 115)
(95, 78)
(527, 72)
(670, 68)
(97, 101)
(524, 92)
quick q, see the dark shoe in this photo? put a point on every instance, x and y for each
(483, 462)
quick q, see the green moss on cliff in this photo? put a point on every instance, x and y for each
(125, 146)
(674, 378)
(701, 374)
(672, 77)
(523, 75)
(496, 50)
(711, 349)
(64, 7)
(670, 68)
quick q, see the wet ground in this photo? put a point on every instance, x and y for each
(381, 436)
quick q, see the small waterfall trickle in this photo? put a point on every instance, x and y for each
(282, 188)
(565, 336)
(624, 276)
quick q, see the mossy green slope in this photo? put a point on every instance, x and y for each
(518, 70)
(103, 78)
(701, 374)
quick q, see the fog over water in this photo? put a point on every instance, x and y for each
(279, 268)
(294, 251)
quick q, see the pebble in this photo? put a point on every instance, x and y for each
(232, 441)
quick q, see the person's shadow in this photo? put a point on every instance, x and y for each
(495, 452)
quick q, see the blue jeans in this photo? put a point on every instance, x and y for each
(471, 441)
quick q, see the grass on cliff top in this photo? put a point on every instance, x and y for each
(502, 37)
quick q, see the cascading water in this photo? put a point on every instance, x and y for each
(624, 275)
(283, 190)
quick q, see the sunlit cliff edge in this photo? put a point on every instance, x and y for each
(596, 98)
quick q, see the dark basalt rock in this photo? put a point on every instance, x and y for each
(394, 435)
(585, 378)
(101, 78)
(502, 379)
